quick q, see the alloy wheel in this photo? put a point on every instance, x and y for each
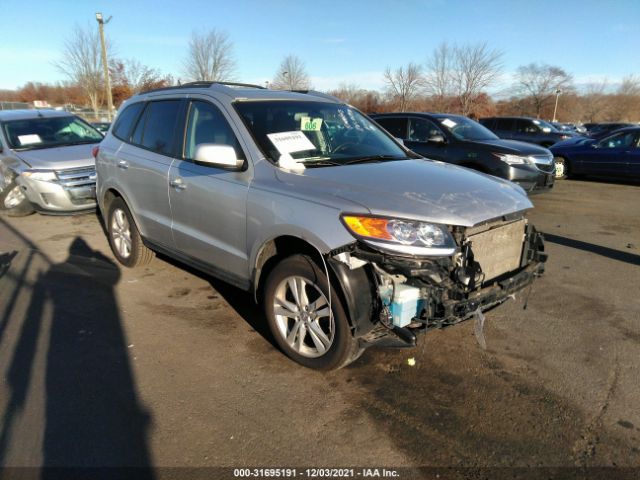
(121, 232)
(303, 317)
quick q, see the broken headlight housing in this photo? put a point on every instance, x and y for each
(398, 235)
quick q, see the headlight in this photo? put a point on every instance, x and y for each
(403, 236)
(513, 159)
(42, 175)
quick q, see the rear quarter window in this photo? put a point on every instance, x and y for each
(125, 121)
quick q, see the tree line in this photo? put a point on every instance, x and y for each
(453, 79)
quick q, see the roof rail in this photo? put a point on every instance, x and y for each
(316, 93)
(204, 84)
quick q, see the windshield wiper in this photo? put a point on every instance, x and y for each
(374, 158)
(320, 163)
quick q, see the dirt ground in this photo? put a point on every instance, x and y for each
(165, 367)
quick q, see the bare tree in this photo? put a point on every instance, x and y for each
(291, 75)
(81, 63)
(594, 101)
(438, 76)
(211, 57)
(404, 84)
(475, 67)
(539, 83)
(630, 86)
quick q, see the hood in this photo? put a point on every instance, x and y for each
(424, 190)
(514, 146)
(74, 156)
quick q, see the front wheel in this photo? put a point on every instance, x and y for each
(14, 201)
(308, 328)
(561, 168)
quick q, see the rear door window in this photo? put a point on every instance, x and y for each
(526, 126)
(156, 128)
(504, 124)
(395, 126)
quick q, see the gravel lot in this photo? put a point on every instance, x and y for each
(164, 366)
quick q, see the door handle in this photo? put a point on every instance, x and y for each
(178, 184)
(123, 164)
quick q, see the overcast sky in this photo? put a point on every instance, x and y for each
(340, 41)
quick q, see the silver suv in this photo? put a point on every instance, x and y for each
(46, 162)
(345, 237)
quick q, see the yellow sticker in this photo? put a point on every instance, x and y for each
(308, 124)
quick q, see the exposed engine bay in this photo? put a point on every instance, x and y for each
(415, 294)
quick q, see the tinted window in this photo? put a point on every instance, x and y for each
(395, 126)
(526, 126)
(620, 140)
(125, 120)
(504, 124)
(421, 129)
(159, 126)
(466, 129)
(206, 124)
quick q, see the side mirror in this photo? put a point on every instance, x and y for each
(436, 139)
(214, 155)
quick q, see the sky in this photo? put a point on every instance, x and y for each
(348, 41)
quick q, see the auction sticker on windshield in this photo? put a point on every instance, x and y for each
(29, 139)
(290, 142)
(308, 124)
(448, 123)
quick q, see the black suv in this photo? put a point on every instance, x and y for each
(525, 129)
(462, 141)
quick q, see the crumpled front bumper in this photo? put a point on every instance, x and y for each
(50, 197)
(447, 301)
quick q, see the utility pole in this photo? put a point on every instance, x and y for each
(101, 23)
(555, 109)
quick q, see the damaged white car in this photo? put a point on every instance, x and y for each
(46, 163)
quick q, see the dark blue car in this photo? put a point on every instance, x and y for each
(616, 155)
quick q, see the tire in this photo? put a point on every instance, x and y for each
(561, 168)
(326, 342)
(124, 238)
(13, 201)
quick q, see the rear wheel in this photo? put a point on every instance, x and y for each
(561, 167)
(14, 202)
(308, 328)
(124, 237)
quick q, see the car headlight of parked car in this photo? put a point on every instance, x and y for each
(408, 237)
(41, 175)
(513, 159)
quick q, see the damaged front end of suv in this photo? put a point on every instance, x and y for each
(404, 277)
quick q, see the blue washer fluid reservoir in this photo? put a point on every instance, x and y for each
(405, 305)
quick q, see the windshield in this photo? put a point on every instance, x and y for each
(466, 129)
(43, 132)
(316, 133)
